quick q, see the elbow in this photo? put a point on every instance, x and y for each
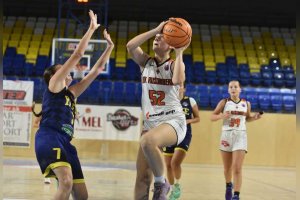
(178, 80)
(129, 46)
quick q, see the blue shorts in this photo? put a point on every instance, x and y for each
(53, 149)
(184, 145)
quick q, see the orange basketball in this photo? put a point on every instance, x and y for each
(177, 32)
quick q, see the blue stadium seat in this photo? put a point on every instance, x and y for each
(253, 99)
(105, 91)
(93, 92)
(278, 79)
(139, 93)
(245, 78)
(255, 79)
(288, 69)
(203, 96)
(264, 101)
(199, 72)
(130, 93)
(290, 80)
(10, 52)
(214, 89)
(191, 90)
(276, 102)
(289, 103)
(211, 77)
(274, 62)
(7, 66)
(265, 68)
(214, 99)
(274, 91)
(244, 68)
(18, 64)
(249, 90)
(118, 92)
(262, 90)
(267, 79)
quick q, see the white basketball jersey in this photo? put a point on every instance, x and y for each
(160, 98)
(238, 112)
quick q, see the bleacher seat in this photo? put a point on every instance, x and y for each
(278, 79)
(276, 102)
(264, 101)
(289, 103)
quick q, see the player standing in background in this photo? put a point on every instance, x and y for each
(233, 145)
(164, 121)
(175, 154)
(56, 155)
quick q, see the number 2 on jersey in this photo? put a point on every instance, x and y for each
(157, 97)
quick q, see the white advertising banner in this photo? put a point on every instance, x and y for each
(108, 123)
(17, 116)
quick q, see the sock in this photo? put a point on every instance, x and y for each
(229, 184)
(176, 181)
(236, 194)
(160, 179)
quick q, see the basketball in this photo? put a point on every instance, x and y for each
(177, 32)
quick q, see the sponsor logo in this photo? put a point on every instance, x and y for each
(225, 143)
(122, 119)
(14, 94)
(160, 114)
(68, 129)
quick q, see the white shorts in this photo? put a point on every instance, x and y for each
(178, 123)
(233, 140)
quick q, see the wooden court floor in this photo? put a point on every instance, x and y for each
(115, 181)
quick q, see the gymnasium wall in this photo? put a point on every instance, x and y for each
(271, 142)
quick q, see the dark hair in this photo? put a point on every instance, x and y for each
(234, 80)
(33, 111)
(49, 72)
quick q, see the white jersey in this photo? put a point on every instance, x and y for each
(238, 112)
(160, 98)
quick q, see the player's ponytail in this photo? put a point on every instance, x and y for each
(48, 73)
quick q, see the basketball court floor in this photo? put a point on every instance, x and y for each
(115, 181)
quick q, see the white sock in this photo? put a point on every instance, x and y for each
(177, 181)
(160, 179)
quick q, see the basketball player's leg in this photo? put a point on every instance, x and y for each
(237, 163)
(160, 136)
(170, 176)
(65, 182)
(143, 177)
(177, 159)
(79, 191)
(227, 164)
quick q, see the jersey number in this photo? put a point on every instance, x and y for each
(157, 97)
(234, 122)
(58, 152)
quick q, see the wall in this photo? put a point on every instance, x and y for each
(271, 142)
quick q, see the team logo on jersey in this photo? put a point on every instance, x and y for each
(122, 119)
(243, 105)
(185, 104)
(167, 67)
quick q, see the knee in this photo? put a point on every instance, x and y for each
(67, 182)
(147, 142)
(237, 169)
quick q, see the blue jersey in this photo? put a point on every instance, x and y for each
(188, 111)
(58, 111)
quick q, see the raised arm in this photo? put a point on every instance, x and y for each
(57, 82)
(249, 116)
(80, 87)
(218, 112)
(133, 46)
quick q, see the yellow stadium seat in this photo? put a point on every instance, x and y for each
(272, 54)
(258, 40)
(49, 31)
(31, 58)
(13, 43)
(254, 70)
(240, 53)
(229, 52)
(263, 60)
(209, 58)
(35, 44)
(285, 61)
(44, 51)
(22, 50)
(238, 46)
(280, 48)
(268, 41)
(283, 54)
(261, 53)
(254, 66)
(7, 30)
(196, 44)
(218, 52)
(217, 45)
(227, 39)
(25, 37)
(216, 38)
(220, 59)
(32, 50)
(291, 49)
(241, 60)
(45, 44)
(24, 43)
(278, 41)
(270, 47)
(6, 36)
(15, 37)
(197, 57)
(17, 30)
(252, 60)
(249, 46)
(207, 45)
(251, 53)
(28, 30)
(208, 52)
(228, 45)
(237, 39)
(36, 37)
